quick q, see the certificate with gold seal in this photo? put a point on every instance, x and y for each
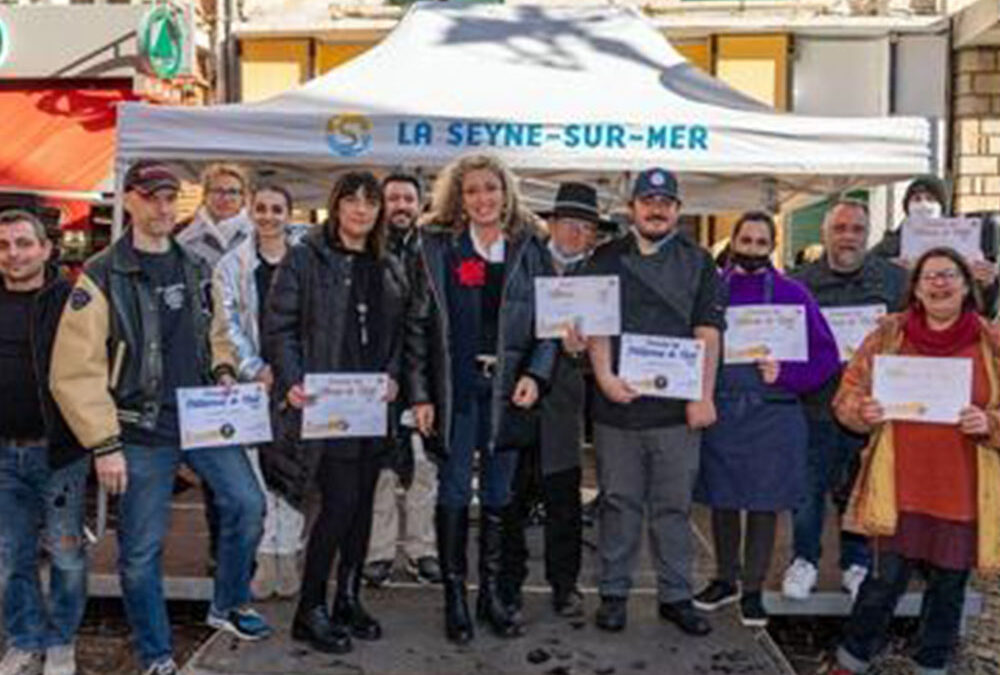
(850, 325)
(755, 332)
(929, 389)
(345, 405)
(591, 304)
(662, 367)
(222, 416)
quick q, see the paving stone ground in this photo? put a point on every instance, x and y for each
(414, 644)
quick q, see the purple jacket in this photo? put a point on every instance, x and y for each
(824, 359)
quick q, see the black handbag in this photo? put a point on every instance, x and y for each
(518, 428)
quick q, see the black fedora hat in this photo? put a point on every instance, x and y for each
(576, 200)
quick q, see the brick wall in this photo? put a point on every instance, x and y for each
(976, 138)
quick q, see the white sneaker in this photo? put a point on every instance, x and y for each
(851, 580)
(800, 580)
(60, 660)
(20, 662)
(167, 667)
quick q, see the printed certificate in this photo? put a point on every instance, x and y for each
(755, 332)
(592, 304)
(215, 416)
(664, 367)
(922, 388)
(851, 324)
(921, 234)
(345, 405)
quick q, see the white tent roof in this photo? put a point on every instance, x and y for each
(552, 90)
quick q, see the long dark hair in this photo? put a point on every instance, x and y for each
(970, 303)
(276, 189)
(348, 184)
(756, 217)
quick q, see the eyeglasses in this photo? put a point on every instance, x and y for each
(948, 276)
(274, 209)
(227, 192)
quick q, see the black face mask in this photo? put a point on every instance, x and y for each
(750, 263)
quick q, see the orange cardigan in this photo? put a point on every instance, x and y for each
(873, 508)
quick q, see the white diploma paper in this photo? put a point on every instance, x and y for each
(756, 332)
(921, 234)
(922, 388)
(664, 367)
(345, 405)
(851, 324)
(214, 416)
(592, 304)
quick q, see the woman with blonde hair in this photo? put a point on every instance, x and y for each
(480, 252)
(221, 223)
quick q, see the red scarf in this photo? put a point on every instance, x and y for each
(945, 342)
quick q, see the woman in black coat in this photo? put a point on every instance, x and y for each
(337, 304)
(480, 253)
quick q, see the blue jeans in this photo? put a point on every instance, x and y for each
(41, 506)
(470, 430)
(828, 460)
(144, 517)
(940, 613)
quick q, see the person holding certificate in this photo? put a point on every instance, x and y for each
(753, 458)
(480, 254)
(240, 283)
(926, 199)
(647, 446)
(134, 333)
(337, 304)
(926, 493)
(845, 278)
(551, 472)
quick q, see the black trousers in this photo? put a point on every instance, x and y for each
(758, 544)
(940, 612)
(344, 523)
(560, 495)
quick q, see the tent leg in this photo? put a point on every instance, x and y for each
(118, 220)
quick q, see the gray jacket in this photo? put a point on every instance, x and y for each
(235, 332)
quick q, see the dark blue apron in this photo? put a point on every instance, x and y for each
(754, 456)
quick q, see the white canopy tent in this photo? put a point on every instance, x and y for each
(553, 91)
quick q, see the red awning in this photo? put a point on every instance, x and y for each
(59, 138)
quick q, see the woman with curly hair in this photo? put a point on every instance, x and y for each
(480, 252)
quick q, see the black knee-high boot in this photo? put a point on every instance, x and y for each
(452, 527)
(347, 608)
(490, 606)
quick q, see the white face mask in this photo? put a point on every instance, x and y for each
(562, 258)
(925, 209)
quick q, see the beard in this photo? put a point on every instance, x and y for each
(402, 220)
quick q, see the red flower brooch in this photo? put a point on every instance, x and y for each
(472, 272)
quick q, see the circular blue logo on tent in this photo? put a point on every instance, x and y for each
(349, 135)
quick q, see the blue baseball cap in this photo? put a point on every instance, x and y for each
(656, 182)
